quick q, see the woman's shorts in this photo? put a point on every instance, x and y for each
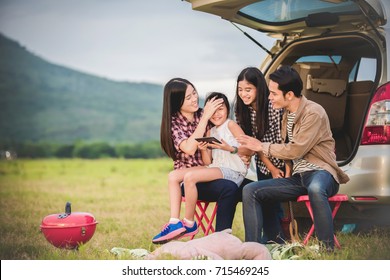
(232, 175)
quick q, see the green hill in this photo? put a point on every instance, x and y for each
(41, 101)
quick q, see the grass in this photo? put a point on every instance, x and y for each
(129, 199)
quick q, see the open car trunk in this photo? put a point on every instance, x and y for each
(333, 44)
(339, 79)
(340, 48)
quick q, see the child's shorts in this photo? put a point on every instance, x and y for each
(230, 174)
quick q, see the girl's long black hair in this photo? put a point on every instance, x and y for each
(255, 77)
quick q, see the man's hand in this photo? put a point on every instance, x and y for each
(250, 143)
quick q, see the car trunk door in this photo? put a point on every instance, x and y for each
(291, 19)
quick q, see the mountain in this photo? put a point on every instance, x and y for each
(44, 102)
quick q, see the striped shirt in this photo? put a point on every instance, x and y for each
(182, 129)
(299, 165)
(272, 135)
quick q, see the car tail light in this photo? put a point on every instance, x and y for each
(377, 128)
(364, 198)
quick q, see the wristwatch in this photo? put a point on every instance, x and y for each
(235, 150)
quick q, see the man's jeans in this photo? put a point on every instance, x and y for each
(260, 204)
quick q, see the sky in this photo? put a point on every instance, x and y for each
(136, 41)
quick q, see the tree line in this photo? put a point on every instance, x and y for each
(151, 149)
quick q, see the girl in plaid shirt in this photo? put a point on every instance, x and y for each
(254, 113)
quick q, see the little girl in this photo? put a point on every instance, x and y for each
(221, 162)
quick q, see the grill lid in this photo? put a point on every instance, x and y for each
(68, 219)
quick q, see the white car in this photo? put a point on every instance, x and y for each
(341, 48)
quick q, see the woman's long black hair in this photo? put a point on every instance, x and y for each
(174, 94)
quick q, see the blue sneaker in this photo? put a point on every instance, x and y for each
(169, 232)
(190, 231)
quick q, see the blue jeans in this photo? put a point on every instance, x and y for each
(261, 199)
(226, 194)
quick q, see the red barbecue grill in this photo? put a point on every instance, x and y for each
(68, 230)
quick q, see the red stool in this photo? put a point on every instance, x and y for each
(337, 199)
(204, 221)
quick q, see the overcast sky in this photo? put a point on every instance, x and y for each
(129, 40)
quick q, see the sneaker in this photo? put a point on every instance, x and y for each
(169, 232)
(190, 231)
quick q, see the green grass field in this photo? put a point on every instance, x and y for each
(129, 199)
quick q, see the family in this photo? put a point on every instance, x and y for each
(289, 136)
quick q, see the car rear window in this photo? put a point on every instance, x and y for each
(283, 11)
(320, 58)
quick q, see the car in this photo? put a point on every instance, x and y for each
(341, 49)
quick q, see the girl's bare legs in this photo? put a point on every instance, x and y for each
(174, 229)
(192, 177)
(175, 178)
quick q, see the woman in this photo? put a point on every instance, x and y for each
(182, 122)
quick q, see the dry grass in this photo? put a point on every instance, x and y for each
(129, 198)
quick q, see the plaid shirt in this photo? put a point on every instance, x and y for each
(182, 129)
(272, 135)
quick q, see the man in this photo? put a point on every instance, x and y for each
(307, 142)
